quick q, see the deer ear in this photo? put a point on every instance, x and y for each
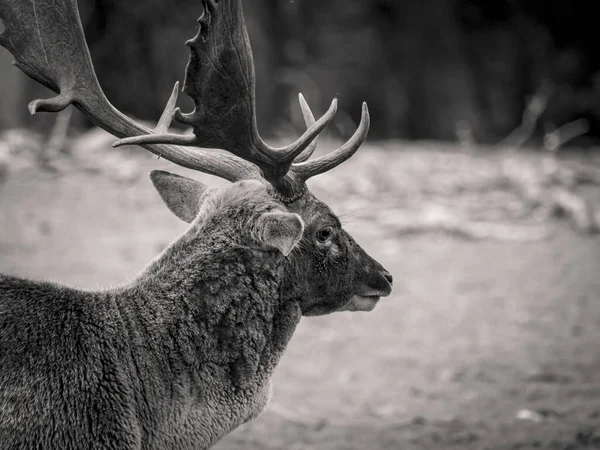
(281, 230)
(180, 194)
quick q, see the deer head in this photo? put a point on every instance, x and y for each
(326, 270)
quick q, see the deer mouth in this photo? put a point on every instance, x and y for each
(367, 295)
(363, 302)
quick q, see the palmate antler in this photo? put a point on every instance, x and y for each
(46, 38)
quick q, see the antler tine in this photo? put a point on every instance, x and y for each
(220, 79)
(49, 46)
(309, 119)
(167, 116)
(289, 153)
(308, 169)
(264, 156)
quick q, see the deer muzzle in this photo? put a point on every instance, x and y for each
(377, 285)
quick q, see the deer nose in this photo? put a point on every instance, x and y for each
(388, 276)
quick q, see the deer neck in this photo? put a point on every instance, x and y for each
(220, 306)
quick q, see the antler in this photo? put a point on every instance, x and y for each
(220, 80)
(47, 41)
(46, 38)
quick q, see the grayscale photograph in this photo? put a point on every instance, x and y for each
(299, 225)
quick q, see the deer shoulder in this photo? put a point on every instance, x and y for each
(188, 346)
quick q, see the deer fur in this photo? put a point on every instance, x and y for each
(175, 359)
(184, 353)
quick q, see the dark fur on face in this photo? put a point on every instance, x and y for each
(329, 268)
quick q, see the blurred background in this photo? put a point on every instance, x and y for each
(478, 189)
(428, 69)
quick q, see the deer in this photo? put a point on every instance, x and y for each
(184, 353)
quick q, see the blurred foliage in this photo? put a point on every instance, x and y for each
(427, 68)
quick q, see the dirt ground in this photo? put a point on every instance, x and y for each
(483, 344)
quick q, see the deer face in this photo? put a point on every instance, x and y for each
(325, 269)
(331, 271)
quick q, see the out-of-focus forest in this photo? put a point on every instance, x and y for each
(429, 69)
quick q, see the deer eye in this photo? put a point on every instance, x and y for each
(324, 236)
